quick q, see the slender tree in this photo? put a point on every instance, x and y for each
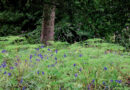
(47, 33)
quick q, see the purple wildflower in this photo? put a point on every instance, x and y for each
(37, 49)
(56, 51)
(56, 62)
(42, 73)
(55, 58)
(93, 81)
(16, 64)
(52, 65)
(80, 69)
(74, 65)
(42, 46)
(37, 72)
(9, 74)
(111, 80)
(105, 68)
(5, 72)
(48, 49)
(30, 57)
(25, 61)
(103, 83)
(80, 55)
(37, 59)
(3, 51)
(23, 88)
(119, 81)
(76, 75)
(21, 81)
(64, 55)
(11, 67)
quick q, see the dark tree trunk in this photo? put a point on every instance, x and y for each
(47, 33)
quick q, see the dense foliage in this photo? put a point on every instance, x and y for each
(75, 20)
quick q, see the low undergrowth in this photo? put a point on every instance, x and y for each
(90, 65)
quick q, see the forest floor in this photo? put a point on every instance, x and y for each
(89, 65)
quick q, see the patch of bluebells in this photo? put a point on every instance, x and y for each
(118, 81)
(40, 55)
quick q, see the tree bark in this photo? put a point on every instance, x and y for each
(47, 33)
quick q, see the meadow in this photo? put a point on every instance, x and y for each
(89, 65)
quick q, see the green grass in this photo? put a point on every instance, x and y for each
(97, 66)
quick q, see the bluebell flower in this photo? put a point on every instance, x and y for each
(5, 72)
(30, 56)
(111, 80)
(16, 64)
(93, 81)
(48, 65)
(80, 69)
(56, 51)
(3, 51)
(64, 55)
(103, 83)
(56, 62)
(37, 59)
(74, 65)
(48, 49)
(37, 49)
(55, 58)
(119, 81)
(21, 81)
(76, 75)
(80, 55)
(23, 88)
(105, 68)
(40, 55)
(25, 61)
(11, 67)
(52, 65)
(9, 74)
(42, 46)
(42, 73)
(37, 72)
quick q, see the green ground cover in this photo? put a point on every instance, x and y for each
(90, 65)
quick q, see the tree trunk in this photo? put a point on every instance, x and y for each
(47, 33)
